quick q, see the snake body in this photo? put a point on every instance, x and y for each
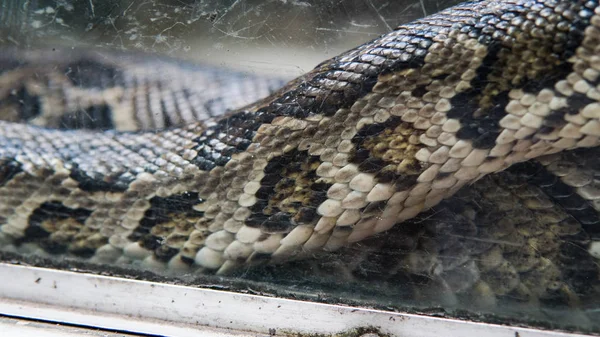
(487, 112)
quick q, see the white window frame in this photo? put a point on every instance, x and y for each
(144, 307)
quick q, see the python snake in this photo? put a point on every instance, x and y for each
(478, 126)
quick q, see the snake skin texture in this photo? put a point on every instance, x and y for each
(95, 90)
(460, 148)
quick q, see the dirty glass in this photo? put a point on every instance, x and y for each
(506, 250)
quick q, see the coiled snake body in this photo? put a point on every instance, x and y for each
(374, 138)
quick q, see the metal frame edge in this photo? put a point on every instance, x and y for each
(165, 309)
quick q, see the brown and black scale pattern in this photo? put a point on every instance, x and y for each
(483, 248)
(107, 90)
(473, 129)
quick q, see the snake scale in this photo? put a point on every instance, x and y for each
(480, 122)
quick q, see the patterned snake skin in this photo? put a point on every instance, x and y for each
(472, 132)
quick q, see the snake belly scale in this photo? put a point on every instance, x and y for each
(366, 141)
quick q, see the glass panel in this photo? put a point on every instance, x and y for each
(515, 247)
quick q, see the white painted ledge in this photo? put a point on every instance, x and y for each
(27, 328)
(162, 309)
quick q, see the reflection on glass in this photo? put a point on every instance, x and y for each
(515, 247)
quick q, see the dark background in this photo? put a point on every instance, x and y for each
(287, 37)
